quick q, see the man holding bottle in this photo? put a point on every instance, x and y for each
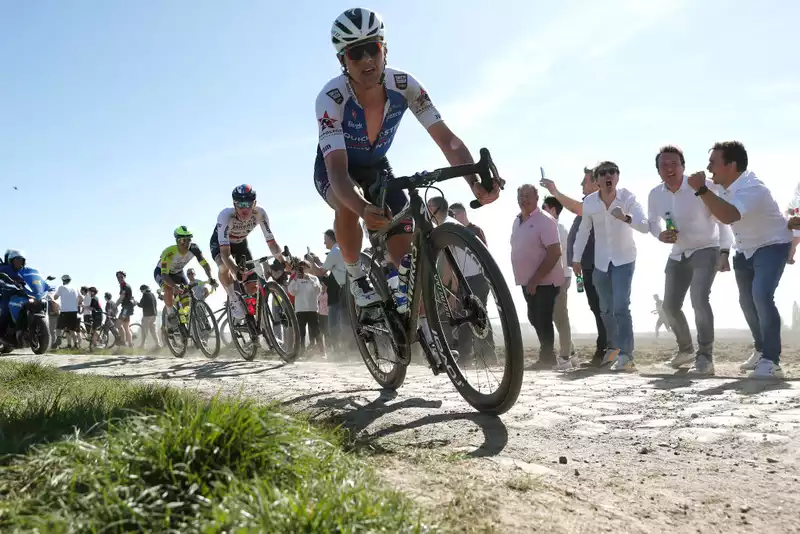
(700, 248)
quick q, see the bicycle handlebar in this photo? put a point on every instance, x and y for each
(484, 167)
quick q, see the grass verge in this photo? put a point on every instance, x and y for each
(88, 454)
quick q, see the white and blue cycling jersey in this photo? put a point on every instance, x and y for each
(343, 124)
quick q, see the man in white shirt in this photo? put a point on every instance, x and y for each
(763, 241)
(567, 359)
(613, 214)
(68, 319)
(698, 241)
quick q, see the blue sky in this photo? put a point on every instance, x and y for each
(121, 120)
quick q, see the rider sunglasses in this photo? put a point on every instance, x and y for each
(609, 171)
(357, 52)
(184, 240)
(243, 205)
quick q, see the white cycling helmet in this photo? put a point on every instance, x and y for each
(354, 25)
(12, 253)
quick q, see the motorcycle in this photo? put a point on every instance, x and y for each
(27, 307)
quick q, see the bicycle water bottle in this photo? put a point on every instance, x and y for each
(670, 222)
(579, 283)
(400, 300)
(402, 271)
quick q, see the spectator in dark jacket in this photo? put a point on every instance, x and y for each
(149, 306)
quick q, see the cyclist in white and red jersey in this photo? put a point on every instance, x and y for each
(358, 114)
(230, 238)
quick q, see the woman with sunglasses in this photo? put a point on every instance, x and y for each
(358, 114)
(169, 271)
(230, 239)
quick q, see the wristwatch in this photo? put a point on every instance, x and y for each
(702, 190)
(628, 219)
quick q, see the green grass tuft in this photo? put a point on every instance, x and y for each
(187, 465)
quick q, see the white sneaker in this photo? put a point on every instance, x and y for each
(237, 309)
(624, 363)
(751, 362)
(767, 369)
(680, 359)
(703, 366)
(363, 292)
(567, 364)
(610, 356)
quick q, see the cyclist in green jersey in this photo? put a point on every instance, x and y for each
(169, 273)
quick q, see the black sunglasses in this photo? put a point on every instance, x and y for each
(612, 170)
(357, 52)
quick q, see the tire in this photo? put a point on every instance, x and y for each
(249, 351)
(388, 380)
(40, 335)
(290, 349)
(177, 350)
(451, 234)
(202, 316)
(108, 338)
(136, 332)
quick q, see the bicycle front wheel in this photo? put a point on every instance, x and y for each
(173, 336)
(204, 329)
(466, 299)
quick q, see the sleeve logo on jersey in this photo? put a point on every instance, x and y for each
(423, 99)
(326, 123)
(401, 81)
(335, 95)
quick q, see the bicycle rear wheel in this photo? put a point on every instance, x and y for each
(245, 341)
(174, 337)
(463, 309)
(204, 329)
(280, 323)
(381, 352)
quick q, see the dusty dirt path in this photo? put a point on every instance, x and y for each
(581, 452)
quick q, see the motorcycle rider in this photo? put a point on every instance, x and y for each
(13, 262)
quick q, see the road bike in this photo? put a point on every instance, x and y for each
(195, 320)
(456, 302)
(273, 318)
(106, 334)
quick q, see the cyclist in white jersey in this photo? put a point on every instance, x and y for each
(358, 114)
(230, 239)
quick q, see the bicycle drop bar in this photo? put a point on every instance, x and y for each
(484, 168)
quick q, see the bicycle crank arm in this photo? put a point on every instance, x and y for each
(436, 365)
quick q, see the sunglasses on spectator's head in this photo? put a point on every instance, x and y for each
(609, 171)
(243, 205)
(358, 51)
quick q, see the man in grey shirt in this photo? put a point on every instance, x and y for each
(589, 185)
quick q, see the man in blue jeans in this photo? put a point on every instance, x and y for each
(763, 241)
(613, 214)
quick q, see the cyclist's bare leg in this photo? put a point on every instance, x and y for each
(168, 296)
(349, 235)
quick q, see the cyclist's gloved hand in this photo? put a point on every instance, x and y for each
(487, 197)
(376, 218)
(213, 282)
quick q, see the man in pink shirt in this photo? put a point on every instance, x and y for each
(535, 259)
